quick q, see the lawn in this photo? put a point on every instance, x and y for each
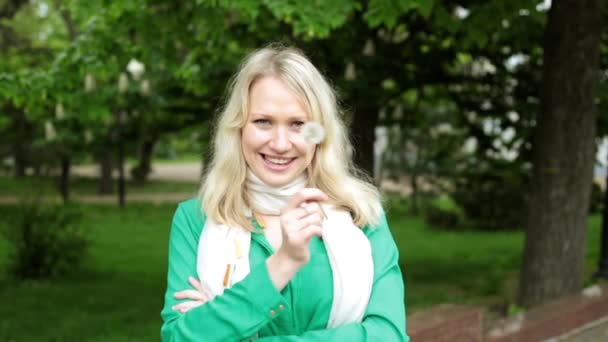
(468, 267)
(117, 298)
(119, 295)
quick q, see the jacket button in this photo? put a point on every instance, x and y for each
(272, 313)
(281, 307)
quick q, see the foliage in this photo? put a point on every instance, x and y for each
(44, 240)
(493, 197)
(444, 219)
(421, 47)
(387, 12)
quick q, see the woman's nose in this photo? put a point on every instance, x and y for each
(280, 141)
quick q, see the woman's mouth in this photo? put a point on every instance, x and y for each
(276, 163)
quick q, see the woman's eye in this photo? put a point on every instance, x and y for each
(297, 124)
(262, 122)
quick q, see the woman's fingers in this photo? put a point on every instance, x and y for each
(297, 225)
(198, 297)
(313, 219)
(190, 294)
(294, 215)
(196, 284)
(309, 231)
(305, 195)
(187, 306)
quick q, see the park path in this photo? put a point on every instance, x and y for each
(175, 172)
(156, 198)
(593, 332)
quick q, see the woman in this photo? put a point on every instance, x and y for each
(285, 241)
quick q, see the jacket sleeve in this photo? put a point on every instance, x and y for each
(236, 314)
(384, 319)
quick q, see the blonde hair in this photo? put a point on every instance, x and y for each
(222, 191)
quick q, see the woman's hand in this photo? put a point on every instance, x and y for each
(197, 295)
(300, 221)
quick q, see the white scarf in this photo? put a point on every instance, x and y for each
(223, 252)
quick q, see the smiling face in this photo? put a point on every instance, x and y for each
(271, 142)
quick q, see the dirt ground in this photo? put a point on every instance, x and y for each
(185, 172)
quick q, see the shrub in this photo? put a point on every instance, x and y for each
(442, 218)
(493, 199)
(44, 240)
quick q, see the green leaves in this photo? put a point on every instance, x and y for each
(8, 86)
(246, 9)
(387, 12)
(309, 19)
(312, 19)
(425, 7)
(317, 19)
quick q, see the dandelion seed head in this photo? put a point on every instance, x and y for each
(313, 132)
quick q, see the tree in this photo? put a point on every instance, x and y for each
(17, 52)
(563, 153)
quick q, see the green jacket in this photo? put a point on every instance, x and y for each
(253, 308)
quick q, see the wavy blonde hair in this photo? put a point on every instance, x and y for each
(222, 191)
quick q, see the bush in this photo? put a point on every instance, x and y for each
(442, 218)
(493, 199)
(44, 240)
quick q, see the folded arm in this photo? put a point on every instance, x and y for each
(237, 314)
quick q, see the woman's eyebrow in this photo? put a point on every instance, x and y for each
(298, 116)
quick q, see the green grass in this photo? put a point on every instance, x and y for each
(468, 267)
(10, 186)
(118, 296)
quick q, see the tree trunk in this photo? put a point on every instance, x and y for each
(18, 138)
(142, 170)
(64, 178)
(106, 185)
(120, 129)
(121, 171)
(365, 119)
(556, 236)
(19, 159)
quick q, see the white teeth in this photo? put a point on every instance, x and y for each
(278, 161)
